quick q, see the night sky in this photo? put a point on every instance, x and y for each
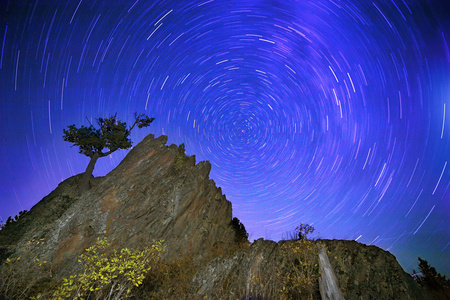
(332, 113)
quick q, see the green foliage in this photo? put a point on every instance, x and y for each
(300, 277)
(109, 277)
(12, 220)
(430, 279)
(181, 157)
(239, 228)
(112, 134)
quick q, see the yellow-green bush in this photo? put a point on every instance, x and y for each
(109, 277)
(299, 278)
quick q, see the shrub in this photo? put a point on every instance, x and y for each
(299, 277)
(303, 230)
(181, 157)
(169, 279)
(241, 235)
(18, 274)
(109, 277)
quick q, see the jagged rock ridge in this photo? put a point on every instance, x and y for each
(149, 196)
(154, 194)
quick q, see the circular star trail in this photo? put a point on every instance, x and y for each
(332, 113)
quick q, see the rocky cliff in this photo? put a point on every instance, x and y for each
(363, 272)
(157, 193)
(154, 193)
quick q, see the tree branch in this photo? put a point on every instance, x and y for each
(88, 121)
(107, 153)
(136, 119)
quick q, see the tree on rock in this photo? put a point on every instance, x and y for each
(112, 135)
(431, 280)
(302, 231)
(241, 235)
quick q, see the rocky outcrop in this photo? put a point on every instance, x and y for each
(363, 272)
(366, 272)
(251, 274)
(154, 193)
(157, 193)
(39, 220)
(328, 284)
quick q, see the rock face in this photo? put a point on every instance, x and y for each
(154, 193)
(363, 272)
(251, 274)
(366, 272)
(40, 218)
(329, 287)
(158, 193)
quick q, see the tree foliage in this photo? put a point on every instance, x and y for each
(112, 134)
(303, 230)
(14, 219)
(239, 228)
(181, 157)
(430, 279)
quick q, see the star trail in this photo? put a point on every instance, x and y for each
(332, 113)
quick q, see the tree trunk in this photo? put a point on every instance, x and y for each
(84, 183)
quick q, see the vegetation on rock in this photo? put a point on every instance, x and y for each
(207, 254)
(109, 277)
(102, 277)
(18, 275)
(123, 274)
(239, 228)
(303, 230)
(299, 278)
(431, 280)
(181, 157)
(11, 220)
(300, 232)
(169, 279)
(112, 134)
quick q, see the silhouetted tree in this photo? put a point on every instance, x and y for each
(303, 230)
(112, 134)
(241, 234)
(430, 279)
(11, 220)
